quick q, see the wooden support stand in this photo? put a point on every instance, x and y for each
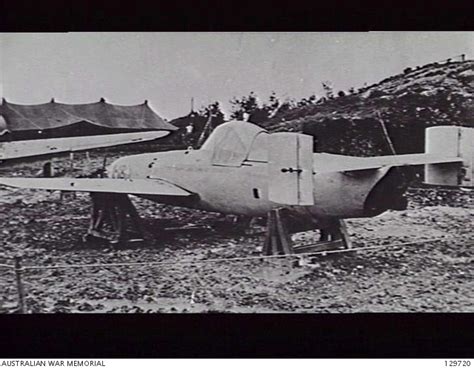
(346, 239)
(114, 209)
(333, 237)
(277, 240)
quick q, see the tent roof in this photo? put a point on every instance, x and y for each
(54, 115)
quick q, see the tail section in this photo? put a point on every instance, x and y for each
(290, 168)
(454, 142)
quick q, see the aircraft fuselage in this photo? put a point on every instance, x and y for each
(244, 190)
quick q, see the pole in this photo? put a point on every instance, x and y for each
(19, 285)
(71, 163)
(71, 169)
(204, 131)
(104, 165)
(386, 135)
(88, 162)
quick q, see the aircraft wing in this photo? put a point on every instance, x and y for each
(128, 186)
(341, 163)
(20, 149)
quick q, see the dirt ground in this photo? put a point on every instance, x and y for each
(434, 276)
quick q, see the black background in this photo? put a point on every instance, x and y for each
(235, 336)
(238, 336)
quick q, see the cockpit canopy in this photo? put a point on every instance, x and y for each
(3, 129)
(234, 142)
(3, 125)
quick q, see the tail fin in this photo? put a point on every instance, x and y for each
(450, 141)
(290, 168)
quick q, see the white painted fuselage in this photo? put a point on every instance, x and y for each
(243, 190)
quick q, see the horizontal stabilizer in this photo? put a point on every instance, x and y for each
(129, 186)
(342, 163)
(20, 149)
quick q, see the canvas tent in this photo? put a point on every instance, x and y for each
(64, 120)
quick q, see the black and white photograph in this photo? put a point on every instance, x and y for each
(236, 172)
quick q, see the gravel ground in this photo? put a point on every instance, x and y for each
(435, 276)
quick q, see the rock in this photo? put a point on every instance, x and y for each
(85, 307)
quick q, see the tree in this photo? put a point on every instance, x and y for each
(213, 109)
(305, 101)
(273, 103)
(341, 93)
(328, 90)
(286, 106)
(250, 105)
(199, 119)
(244, 105)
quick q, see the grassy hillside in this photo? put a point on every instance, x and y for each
(430, 95)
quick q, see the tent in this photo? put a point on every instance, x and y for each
(64, 120)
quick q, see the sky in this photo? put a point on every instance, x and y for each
(168, 69)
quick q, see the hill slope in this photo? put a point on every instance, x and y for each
(434, 94)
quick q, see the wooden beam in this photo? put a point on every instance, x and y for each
(346, 239)
(283, 235)
(277, 239)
